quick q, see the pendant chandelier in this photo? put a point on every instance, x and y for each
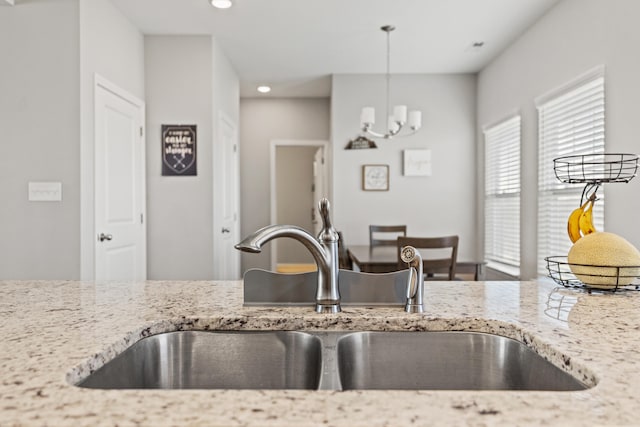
(396, 122)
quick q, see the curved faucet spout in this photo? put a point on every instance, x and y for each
(255, 241)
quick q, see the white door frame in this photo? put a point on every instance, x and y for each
(87, 211)
(274, 144)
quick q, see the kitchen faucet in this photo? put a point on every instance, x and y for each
(324, 250)
(415, 285)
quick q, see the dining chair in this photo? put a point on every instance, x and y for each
(344, 261)
(391, 232)
(439, 255)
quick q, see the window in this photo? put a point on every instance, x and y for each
(502, 196)
(570, 122)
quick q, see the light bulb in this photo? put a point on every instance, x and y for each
(367, 116)
(221, 4)
(415, 119)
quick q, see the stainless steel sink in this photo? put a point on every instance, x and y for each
(215, 360)
(330, 360)
(445, 361)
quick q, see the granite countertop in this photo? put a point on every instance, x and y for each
(53, 332)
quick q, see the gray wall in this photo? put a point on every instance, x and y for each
(226, 86)
(263, 120)
(179, 209)
(437, 205)
(226, 103)
(572, 38)
(46, 110)
(113, 48)
(40, 122)
(46, 113)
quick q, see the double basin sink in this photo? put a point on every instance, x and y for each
(330, 360)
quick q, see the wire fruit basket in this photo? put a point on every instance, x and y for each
(596, 168)
(600, 277)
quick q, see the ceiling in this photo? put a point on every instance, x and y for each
(295, 45)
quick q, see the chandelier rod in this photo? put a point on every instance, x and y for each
(396, 122)
(387, 29)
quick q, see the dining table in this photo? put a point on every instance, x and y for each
(383, 259)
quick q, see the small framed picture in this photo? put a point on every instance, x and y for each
(417, 162)
(375, 177)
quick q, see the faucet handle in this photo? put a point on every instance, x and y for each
(328, 233)
(323, 207)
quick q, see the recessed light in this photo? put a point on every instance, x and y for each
(264, 89)
(221, 4)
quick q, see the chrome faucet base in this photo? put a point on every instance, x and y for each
(328, 308)
(414, 308)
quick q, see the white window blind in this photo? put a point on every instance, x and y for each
(502, 196)
(569, 123)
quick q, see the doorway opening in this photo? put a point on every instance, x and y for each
(298, 180)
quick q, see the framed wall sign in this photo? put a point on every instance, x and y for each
(179, 150)
(360, 143)
(375, 177)
(417, 162)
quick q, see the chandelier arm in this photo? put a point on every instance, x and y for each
(391, 132)
(367, 128)
(397, 130)
(412, 131)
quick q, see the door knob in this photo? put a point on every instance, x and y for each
(102, 237)
(225, 230)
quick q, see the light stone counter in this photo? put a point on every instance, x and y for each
(54, 332)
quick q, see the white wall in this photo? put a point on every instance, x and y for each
(572, 38)
(179, 208)
(437, 205)
(39, 122)
(263, 120)
(113, 48)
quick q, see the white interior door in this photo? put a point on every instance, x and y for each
(119, 185)
(226, 201)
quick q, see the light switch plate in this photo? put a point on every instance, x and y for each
(45, 191)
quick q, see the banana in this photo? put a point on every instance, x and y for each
(586, 220)
(573, 224)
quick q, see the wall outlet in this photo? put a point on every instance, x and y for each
(45, 191)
